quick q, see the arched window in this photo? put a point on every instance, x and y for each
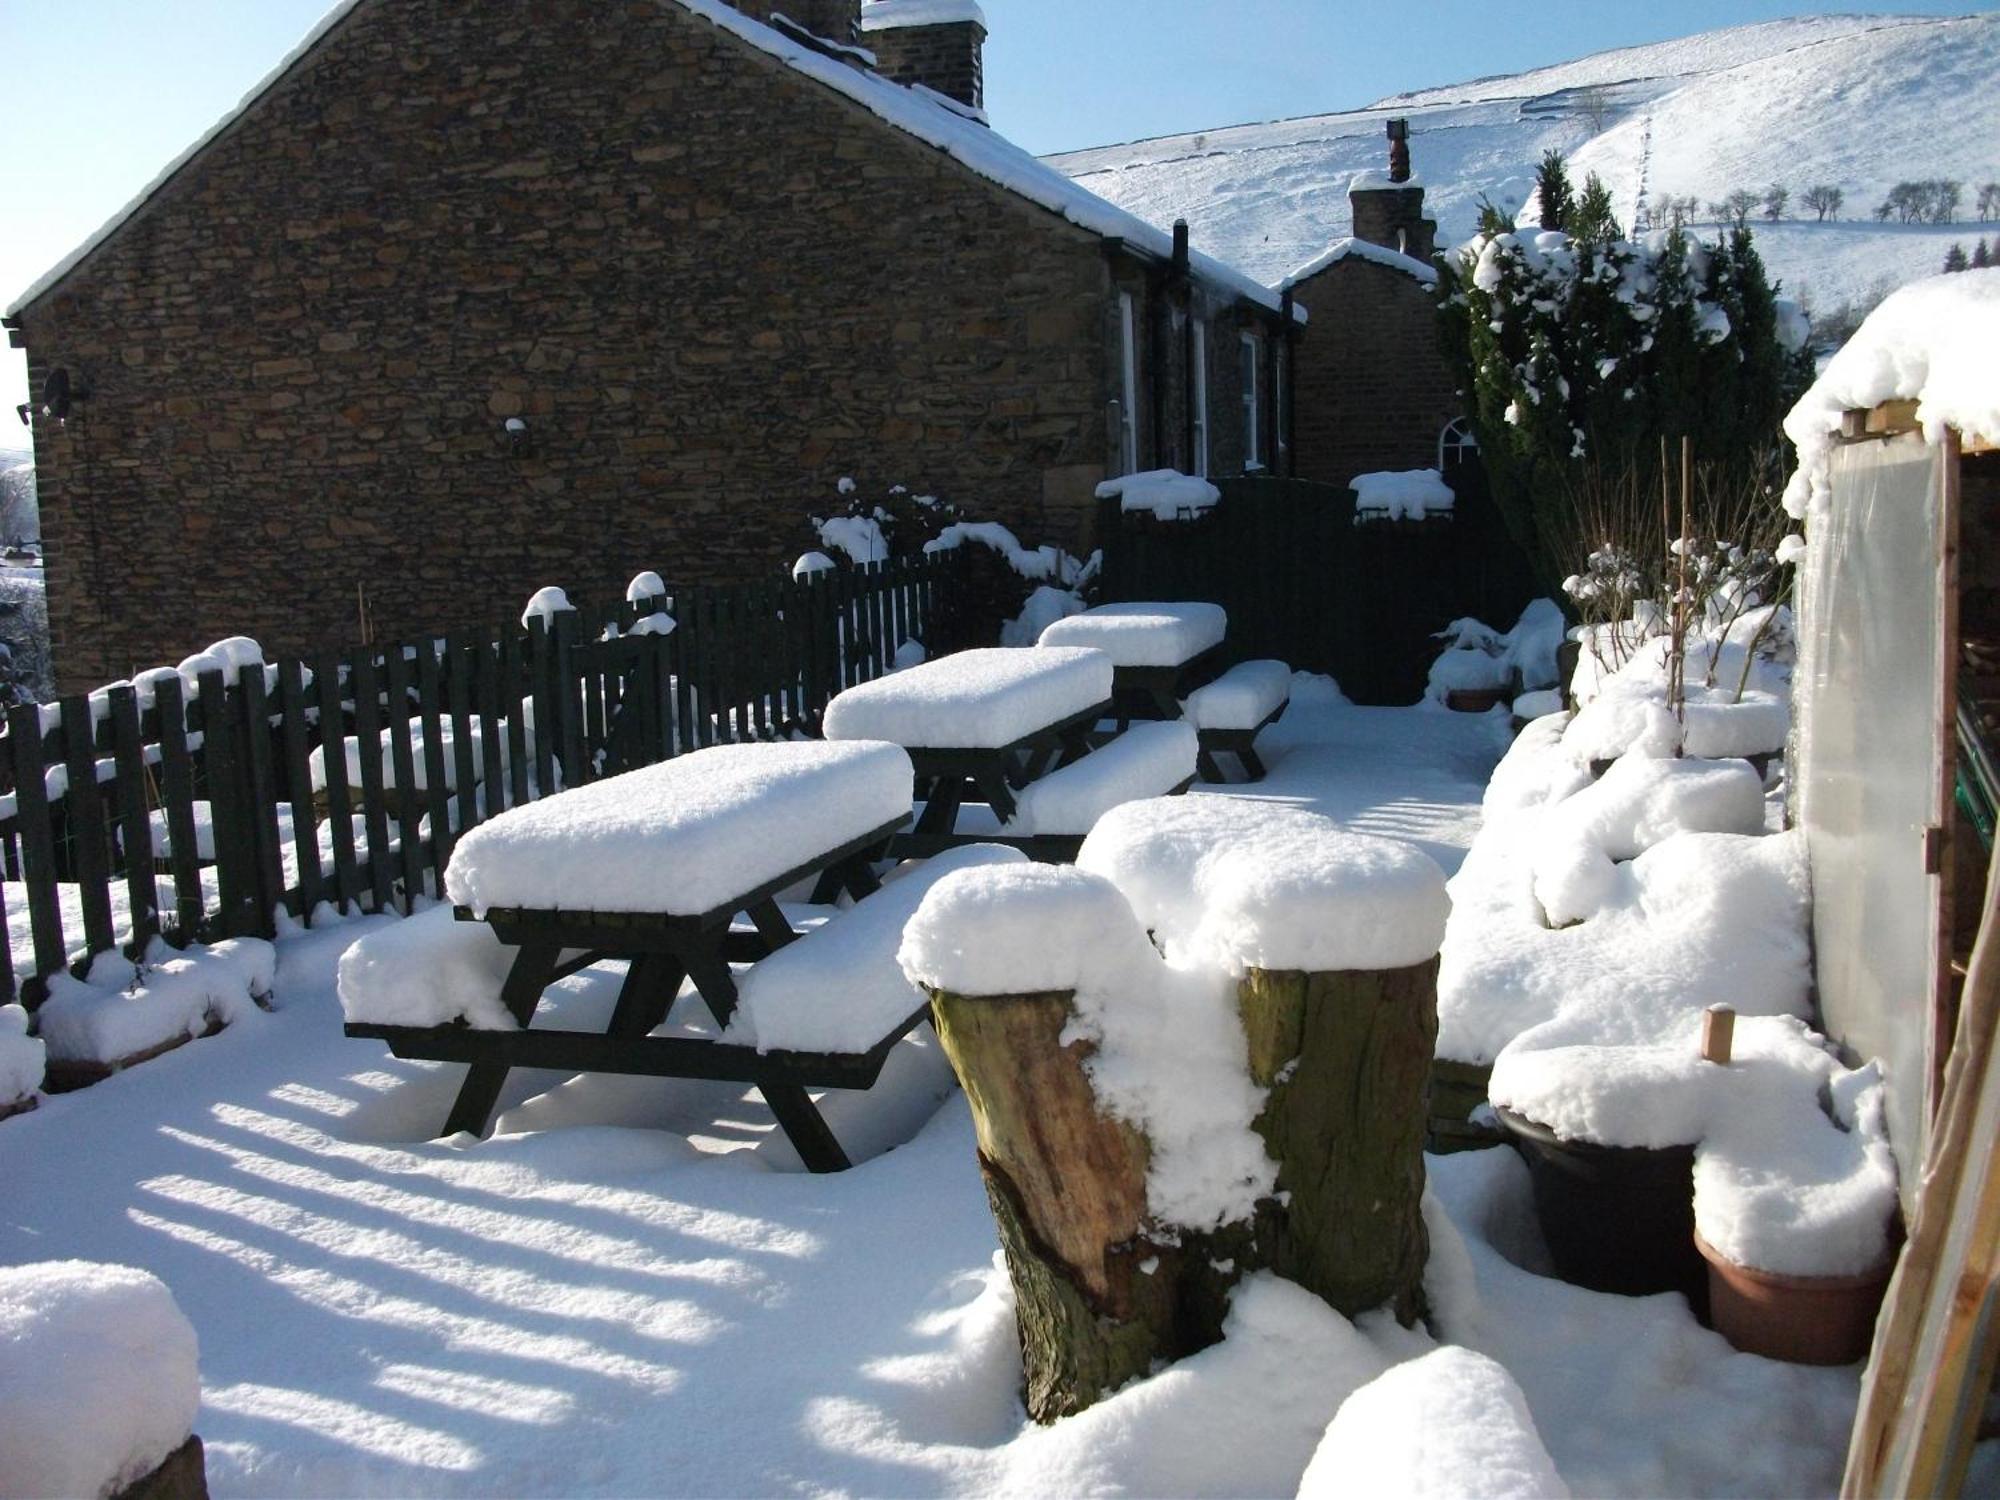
(1456, 444)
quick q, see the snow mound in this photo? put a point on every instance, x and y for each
(21, 1057)
(123, 1009)
(98, 1378)
(1248, 884)
(1446, 1426)
(429, 970)
(1793, 1172)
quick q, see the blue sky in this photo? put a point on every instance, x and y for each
(103, 93)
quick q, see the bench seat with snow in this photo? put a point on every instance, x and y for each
(653, 868)
(1058, 812)
(1161, 652)
(978, 726)
(1230, 712)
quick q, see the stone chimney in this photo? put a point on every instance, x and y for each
(938, 43)
(836, 20)
(1389, 209)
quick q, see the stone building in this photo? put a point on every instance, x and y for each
(1373, 389)
(470, 299)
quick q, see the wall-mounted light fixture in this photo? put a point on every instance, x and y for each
(520, 442)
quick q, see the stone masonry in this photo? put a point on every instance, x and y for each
(709, 286)
(949, 58)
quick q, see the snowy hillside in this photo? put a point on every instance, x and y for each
(1859, 102)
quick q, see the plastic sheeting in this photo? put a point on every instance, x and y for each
(1867, 757)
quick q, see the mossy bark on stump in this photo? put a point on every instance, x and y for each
(1100, 1295)
(1346, 1058)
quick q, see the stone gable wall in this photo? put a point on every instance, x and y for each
(1373, 390)
(709, 286)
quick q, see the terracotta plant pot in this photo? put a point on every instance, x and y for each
(1617, 1219)
(1475, 700)
(1804, 1320)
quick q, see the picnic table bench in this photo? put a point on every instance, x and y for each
(675, 868)
(1159, 652)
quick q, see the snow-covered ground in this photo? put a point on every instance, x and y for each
(628, 1290)
(1859, 102)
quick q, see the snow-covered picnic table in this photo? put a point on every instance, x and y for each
(1160, 652)
(1011, 729)
(654, 867)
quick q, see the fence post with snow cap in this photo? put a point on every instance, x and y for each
(1120, 1243)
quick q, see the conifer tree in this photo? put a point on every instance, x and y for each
(1981, 256)
(1552, 190)
(1954, 258)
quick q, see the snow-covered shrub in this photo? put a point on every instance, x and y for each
(1477, 658)
(1006, 592)
(1583, 353)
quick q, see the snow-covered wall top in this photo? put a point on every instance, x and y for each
(1933, 343)
(1351, 248)
(1855, 101)
(885, 15)
(917, 112)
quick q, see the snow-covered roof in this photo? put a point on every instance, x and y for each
(885, 15)
(1353, 249)
(1932, 342)
(916, 112)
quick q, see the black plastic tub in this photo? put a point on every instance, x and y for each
(1616, 1218)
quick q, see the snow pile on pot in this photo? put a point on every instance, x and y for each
(98, 1378)
(1793, 1172)
(1478, 658)
(122, 1010)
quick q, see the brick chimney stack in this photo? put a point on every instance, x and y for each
(1389, 210)
(836, 20)
(940, 44)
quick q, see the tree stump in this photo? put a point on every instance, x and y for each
(1346, 1057)
(1102, 1295)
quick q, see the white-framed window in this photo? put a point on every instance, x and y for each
(1128, 389)
(1251, 349)
(1199, 389)
(1456, 443)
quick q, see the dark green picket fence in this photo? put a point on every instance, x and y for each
(194, 817)
(1304, 584)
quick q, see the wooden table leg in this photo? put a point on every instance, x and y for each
(790, 1104)
(533, 971)
(992, 784)
(652, 983)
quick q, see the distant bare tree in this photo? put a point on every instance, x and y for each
(1824, 199)
(1735, 210)
(1989, 201)
(1595, 106)
(1776, 196)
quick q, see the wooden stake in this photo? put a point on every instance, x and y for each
(1718, 1032)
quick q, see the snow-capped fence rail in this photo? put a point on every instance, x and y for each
(221, 798)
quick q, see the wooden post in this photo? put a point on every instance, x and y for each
(1718, 1032)
(1100, 1298)
(1346, 1058)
